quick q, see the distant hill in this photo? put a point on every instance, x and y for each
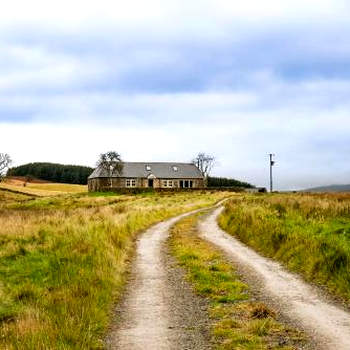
(70, 174)
(330, 188)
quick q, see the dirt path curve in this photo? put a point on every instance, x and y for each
(327, 324)
(159, 310)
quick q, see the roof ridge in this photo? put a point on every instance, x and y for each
(159, 169)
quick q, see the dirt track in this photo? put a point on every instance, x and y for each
(159, 310)
(327, 324)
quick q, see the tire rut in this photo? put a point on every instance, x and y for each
(304, 305)
(159, 310)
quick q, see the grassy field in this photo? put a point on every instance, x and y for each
(63, 261)
(42, 189)
(238, 321)
(308, 233)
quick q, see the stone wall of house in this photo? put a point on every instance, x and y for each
(103, 184)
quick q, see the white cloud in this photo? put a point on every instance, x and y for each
(73, 14)
(310, 146)
(162, 80)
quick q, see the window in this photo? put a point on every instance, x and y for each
(175, 168)
(186, 184)
(130, 183)
(167, 183)
(148, 167)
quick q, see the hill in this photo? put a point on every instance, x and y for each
(38, 188)
(329, 188)
(53, 172)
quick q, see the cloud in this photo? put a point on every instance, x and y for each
(163, 80)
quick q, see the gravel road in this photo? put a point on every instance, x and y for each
(159, 310)
(327, 324)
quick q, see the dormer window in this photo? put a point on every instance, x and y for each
(148, 167)
(175, 168)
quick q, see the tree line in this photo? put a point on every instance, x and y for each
(226, 182)
(73, 174)
(112, 162)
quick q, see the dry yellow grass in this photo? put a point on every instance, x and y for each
(44, 189)
(63, 262)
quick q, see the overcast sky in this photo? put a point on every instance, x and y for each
(163, 80)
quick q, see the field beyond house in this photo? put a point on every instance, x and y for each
(64, 259)
(40, 188)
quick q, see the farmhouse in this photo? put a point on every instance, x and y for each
(142, 175)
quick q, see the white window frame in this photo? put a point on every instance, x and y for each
(168, 183)
(130, 183)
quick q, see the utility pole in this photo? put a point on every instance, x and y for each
(272, 162)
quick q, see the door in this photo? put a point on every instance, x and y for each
(150, 182)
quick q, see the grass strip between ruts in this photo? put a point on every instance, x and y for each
(238, 321)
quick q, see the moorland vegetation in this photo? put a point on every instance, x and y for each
(308, 233)
(63, 261)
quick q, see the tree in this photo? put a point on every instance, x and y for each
(5, 161)
(111, 162)
(227, 182)
(205, 164)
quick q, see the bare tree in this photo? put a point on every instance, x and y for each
(5, 161)
(111, 162)
(204, 163)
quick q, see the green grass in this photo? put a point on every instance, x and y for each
(309, 234)
(238, 322)
(63, 262)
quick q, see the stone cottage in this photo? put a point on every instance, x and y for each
(143, 175)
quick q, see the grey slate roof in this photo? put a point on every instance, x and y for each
(159, 170)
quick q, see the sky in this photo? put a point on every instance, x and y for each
(162, 80)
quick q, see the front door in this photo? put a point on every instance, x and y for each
(150, 182)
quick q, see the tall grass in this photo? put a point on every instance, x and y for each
(310, 234)
(63, 262)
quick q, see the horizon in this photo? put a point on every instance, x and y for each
(163, 80)
(179, 162)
